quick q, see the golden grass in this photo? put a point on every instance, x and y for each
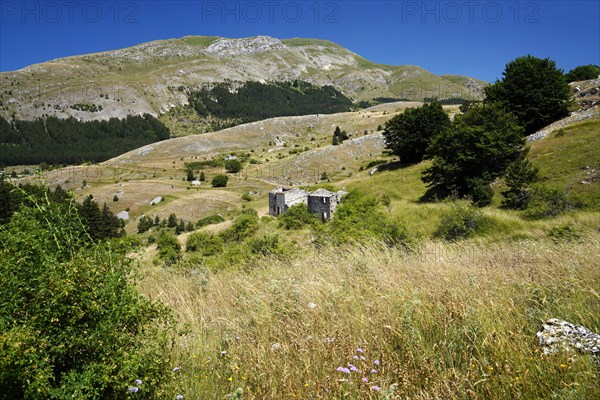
(448, 321)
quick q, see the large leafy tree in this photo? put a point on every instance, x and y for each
(408, 134)
(534, 90)
(476, 148)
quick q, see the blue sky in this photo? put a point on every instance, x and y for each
(473, 37)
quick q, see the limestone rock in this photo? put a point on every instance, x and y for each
(558, 335)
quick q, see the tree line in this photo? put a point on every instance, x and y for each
(99, 222)
(255, 101)
(60, 141)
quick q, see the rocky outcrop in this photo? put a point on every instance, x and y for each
(557, 335)
(233, 47)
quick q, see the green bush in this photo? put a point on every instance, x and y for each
(564, 232)
(220, 181)
(243, 227)
(212, 219)
(461, 221)
(169, 248)
(71, 325)
(267, 244)
(297, 217)
(246, 197)
(233, 166)
(360, 216)
(482, 193)
(547, 202)
(205, 243)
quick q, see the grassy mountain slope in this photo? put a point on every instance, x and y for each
(149, 77)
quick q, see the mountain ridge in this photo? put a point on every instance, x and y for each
(152, 77)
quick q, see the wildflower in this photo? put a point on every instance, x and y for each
(176, 369)
(353, 369)
(355, 357)
(359, 350)
(365, 379)
(133, 389)
(275, 346)
(312, 305)
(362, 358)
(343, 370)
(138, 381)
(223, 352)
(376, 362)
(179, 397)
(373, 371)
(376, 388)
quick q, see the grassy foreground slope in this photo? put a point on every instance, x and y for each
(445, 321)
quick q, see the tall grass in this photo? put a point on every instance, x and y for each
(445, 321)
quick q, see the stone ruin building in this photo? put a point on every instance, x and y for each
(320, 202)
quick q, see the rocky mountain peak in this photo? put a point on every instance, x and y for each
(232, 47)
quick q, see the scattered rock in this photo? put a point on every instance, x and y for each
(156, 200)
(372, 172)
(558, 335)
(196, 183)
(122, 215)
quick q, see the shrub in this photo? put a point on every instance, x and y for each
(482, 193)
(233, 166)
(206, 243)
(244, 226)
(359, 216)
(220, 181)
(297, 217)
(564, 232)
(212, 219)
(72, 326)
(246, 197)
(461, 221)
(267, 244)
(520, 175)
(169, 248)
(547, 202)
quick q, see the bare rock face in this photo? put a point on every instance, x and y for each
(557, 335)
(233, 47)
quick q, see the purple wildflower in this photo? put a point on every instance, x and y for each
(376, 388)
(376, 362)
(138, 381)
(365, 379)
(373, 371)
(133, 389)
(179, 397)
(359, 350)
(176, 369)
(355, 357)
(362, 358)
(343, 370)
(353, 368)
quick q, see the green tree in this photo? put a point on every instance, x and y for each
(172, 221)
(190, 175)
(233, 166)
(476, 148)
(202, 176)
(520, 175)
(408, 134)
(220, 181)
(534, 90)
(583, 72)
